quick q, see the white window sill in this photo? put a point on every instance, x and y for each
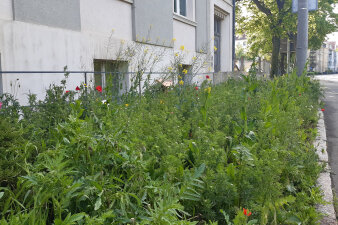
(128, 1)
(184, 19)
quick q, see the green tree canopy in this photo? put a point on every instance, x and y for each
(266, 22)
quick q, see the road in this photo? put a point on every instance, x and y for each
(330, 86)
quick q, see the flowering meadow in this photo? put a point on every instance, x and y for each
(237, 153)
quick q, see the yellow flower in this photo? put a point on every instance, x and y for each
(185, 71)
(179, 77)
(215, 48)
(126, 105)
(145, 50)
(170, 68)
(162, 102)
(85, 85)
(182, 47)
(208, 90)
(176, 54)
(201, 51)
(174, 39)
(180, 65)
(123, 41)
(194, 58)
(181, 82)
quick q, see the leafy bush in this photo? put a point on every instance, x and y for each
(237, 153)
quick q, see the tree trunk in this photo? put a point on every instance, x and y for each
(275, 56)
(241, 68)
(282, 63)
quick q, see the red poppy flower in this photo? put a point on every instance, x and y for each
(245, 211)
(77, 88)
(249, 214)
(0, 105)
(67, 92)
(196, 88)
(299, 94)
(323, 110)
(207, 76)
(99, 89)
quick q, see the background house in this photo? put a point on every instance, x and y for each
(47, 35)
(324, 60)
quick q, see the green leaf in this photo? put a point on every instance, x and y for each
(1, 194)
(76, 217)
(65, 140)
(252, 222)
(294, 219)
(98, 204)
(199, 171)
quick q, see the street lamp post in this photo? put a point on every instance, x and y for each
(302, 36)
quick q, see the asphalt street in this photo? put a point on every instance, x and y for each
(330, 85)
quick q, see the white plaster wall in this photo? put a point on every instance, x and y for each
(6, 12)
(102, 16)
(185, 35)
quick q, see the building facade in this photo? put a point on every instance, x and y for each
(47, 35)
(324, 60)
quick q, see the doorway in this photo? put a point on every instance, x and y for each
(217, 43)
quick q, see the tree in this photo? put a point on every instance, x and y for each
(266, 22)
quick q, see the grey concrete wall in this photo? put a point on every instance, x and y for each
(54, 13)
(202, 15)
(153, 21)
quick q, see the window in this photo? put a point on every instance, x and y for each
(111, 74)
(180, 7)
(185, 8)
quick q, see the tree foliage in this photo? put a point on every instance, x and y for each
(266, 22)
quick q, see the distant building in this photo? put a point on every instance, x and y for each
(40, 35)
(324, 60)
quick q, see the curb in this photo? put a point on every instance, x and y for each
(324, 180)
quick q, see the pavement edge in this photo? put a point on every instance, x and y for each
(324, 180)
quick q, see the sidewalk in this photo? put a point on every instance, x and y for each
(330, 85)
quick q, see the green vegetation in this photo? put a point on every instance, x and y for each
(237, 153)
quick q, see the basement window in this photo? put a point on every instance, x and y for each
(111, 74)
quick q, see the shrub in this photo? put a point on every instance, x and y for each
(180, 156)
